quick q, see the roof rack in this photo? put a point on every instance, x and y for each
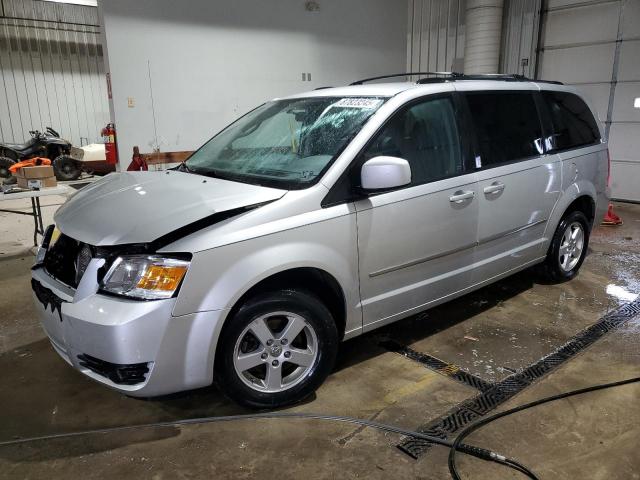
(406, 74)
(503, 77)
(436, 77)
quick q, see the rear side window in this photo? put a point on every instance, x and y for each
(426, 135)
(572, 122)
(507, 126)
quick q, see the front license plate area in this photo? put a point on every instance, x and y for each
(47, 298)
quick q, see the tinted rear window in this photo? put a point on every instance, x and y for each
(507, 126)
(573, 124)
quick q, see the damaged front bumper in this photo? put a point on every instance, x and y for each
(135, 347)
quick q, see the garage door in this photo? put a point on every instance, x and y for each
(51, 71)
(595, 46)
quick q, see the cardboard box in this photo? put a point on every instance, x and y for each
(41, 176)
(32, 183)
(41, 171)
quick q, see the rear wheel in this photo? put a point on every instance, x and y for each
(10, 154)
(277, 349)
(568, 248)
(66, 168)
(5, 164)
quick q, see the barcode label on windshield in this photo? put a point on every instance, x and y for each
(359, 103)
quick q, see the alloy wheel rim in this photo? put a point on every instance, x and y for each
(275, 352)
(571, 246)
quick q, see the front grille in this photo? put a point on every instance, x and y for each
(60, 260)
(122, 374)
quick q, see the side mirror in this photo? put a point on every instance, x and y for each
(383, 173)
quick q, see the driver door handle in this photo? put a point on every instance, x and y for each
(496, 187)
(461, 195)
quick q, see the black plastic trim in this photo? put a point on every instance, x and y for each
(120, 374)
(47, 298)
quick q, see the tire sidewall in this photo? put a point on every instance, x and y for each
(60, 173)
(5, 163)
(553, 257)
(295, 301)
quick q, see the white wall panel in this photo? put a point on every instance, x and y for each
(623, 109)
(581, 24)
(592, 64)
(210, 62)
(623, 142)
(624, 180)
(631, 20)
(51, 71)
(629, 68)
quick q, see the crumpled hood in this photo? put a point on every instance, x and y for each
(139, 207)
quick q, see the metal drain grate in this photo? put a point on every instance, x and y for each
(498, 393)
(433, 363)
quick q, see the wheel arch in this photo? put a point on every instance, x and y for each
(580, 197)
(585, 204)
(312, 279)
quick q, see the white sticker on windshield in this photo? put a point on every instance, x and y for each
(359, 103)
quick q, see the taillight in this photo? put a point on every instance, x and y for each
(608, 168)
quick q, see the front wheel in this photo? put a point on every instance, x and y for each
(5, 164)
(277, 349)
(568, 248)
(66, 168)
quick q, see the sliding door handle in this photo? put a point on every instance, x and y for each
(461, 195)
(495, 187)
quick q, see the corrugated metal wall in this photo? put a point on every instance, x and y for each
(520, 26)
(436, 34)
(51, 71)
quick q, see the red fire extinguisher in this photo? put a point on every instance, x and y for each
(110, 149)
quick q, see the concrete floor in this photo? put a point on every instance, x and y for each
(490, 333)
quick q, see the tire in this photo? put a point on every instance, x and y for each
(262, 368)
(568, 248)
(66, 168)
(5, 163)
(10, 154)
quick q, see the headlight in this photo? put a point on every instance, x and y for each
(146, 277)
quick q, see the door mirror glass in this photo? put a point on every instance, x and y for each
(382, 173)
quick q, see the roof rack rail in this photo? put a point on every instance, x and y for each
(503, 77)
(406, 74)
(436, 77)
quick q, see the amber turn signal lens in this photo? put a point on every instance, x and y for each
(158, 277)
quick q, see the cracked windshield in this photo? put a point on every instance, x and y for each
(284, 143)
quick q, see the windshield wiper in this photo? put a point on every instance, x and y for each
(182, 167)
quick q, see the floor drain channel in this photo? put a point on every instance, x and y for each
(500, 392)
(448, 369)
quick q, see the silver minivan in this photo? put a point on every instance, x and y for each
(312, 219)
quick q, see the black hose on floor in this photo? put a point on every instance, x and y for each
(485, 421)
(454, 446)
(477, 452)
